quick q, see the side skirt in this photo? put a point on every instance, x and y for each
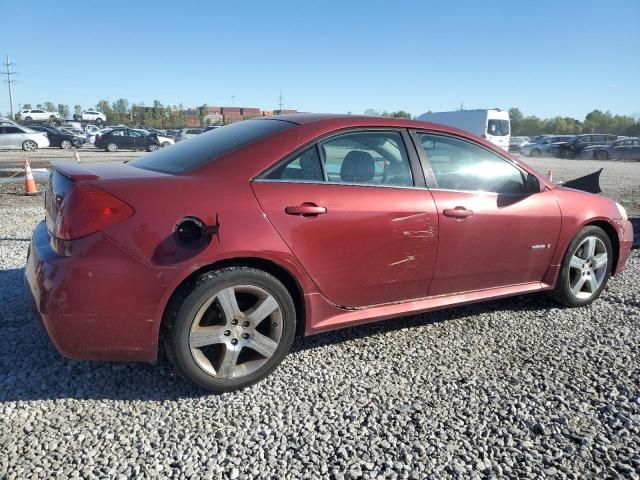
(332, 317)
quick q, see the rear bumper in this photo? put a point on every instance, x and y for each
(625, 235)
(100, 304)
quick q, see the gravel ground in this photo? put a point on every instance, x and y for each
(516, 388)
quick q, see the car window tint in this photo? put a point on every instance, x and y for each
(209, 146)
(303, 167)
(597, 138)
(117, 133)
(369, 158)
(134, 133)
(12, 130)
(461, 165)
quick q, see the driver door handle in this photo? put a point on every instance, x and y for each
(306, 210)
(458, 212)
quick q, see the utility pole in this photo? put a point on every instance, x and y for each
(280, 102)
(233, 100)
(10, 81)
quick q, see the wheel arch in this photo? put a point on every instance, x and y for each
(612, 233)
(281, 273)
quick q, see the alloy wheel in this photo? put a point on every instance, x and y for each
(29, 146)
(66, 144)
(588, 268)
(236, 331)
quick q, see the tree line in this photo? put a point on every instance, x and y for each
(594, 122)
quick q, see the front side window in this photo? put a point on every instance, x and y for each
(461, 165)
(118, 133)
(369, 158)
(499, 128)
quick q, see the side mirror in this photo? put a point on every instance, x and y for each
(532, 184)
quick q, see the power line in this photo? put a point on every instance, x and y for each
(8, 66)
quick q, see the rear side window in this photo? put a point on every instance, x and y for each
(303, 167)
(196, 151)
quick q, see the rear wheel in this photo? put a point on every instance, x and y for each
(585, 269)
(153, 147)
(231, 329)
(535, 152)
(602, 155)
(28, 120)
(29, 146)
(111, 147)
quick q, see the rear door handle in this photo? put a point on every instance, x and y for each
(458, 212)
(306, 210)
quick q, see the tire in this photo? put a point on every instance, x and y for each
(53, 119)
(66, 144)
(99, 122)
(153, 147)
(580, 267)
(29, 146)
(111, 147)
(601, 155)
(535, 152)
(165, 144)
(28, 120)
(213, 361)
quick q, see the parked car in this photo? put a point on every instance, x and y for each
(625, 148)
(95, 116)
(572, 147)
(58, 138)
(8, 121)
(74, 131)
(225, 247)
(116, 139)
(543, 146)
(516, 142)
(211, 127)
(19, 137)
(164, 141)
(188, 133)
(30, 115)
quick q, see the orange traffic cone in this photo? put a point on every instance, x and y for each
(550, 175)
(76, 155)
(29, 182)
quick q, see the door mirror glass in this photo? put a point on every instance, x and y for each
(533, 184)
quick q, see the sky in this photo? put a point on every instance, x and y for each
(545, 57)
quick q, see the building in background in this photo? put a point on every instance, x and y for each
(226, 115)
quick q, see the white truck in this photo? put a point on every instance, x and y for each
(491, 124)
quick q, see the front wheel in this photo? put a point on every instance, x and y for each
(602, 155)
(231, 329)
(153, 147)
(112, 147)
(585, 269)
(65, 144)
(29, 146)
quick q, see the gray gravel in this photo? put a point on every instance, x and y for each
(516, 388)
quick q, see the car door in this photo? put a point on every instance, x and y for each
(354, 210)
(620, 149)
(139, 140)
(12, 137)
(634, 150)
(127, 139)
(491, 233)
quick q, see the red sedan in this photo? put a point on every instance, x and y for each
(226, 246)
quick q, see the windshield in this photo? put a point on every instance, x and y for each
(498, 128)
(200, 149)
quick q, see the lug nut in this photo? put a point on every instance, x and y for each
(245, 335)
(246, 324)
(234, 321)
(227, 333)
(234, 341)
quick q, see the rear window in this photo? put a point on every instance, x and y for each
(196, 151)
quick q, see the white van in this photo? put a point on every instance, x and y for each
(492, 124)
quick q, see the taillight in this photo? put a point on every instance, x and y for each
(87, 209)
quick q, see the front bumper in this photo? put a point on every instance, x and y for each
(100, 303)
(625, 234)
